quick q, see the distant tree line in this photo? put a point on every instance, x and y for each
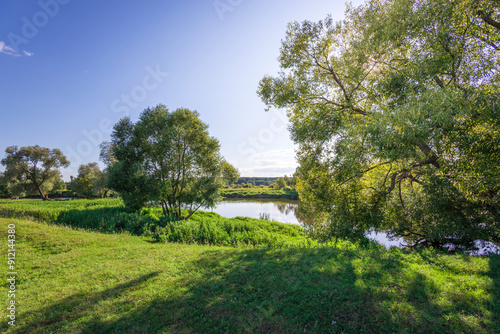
(257, 181)
(272, 182)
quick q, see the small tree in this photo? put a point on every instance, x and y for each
(170, 158)
(279, 184)
(33, 168)
(59, 186)
(87, 180)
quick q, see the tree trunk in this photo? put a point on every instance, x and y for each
(44, 197)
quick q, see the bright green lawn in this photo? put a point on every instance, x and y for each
(74, 281)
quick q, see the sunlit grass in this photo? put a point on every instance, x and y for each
(74, 281)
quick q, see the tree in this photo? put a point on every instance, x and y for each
(280, 183)
(4, 192)
(59, 186)
(106, 156)
(229, 172)
(33, 168)
(86, 183)
(170, 158)
(396, 113)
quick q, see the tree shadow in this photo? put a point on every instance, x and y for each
(494, 274)
(76, 307)
(297, 291)
(318, 290)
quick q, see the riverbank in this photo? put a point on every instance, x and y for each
(110, 216)
(77, 281)
(260, 193)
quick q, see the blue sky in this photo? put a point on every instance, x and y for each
(70, 69)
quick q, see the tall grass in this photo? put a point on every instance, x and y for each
(207, 228)
(71, 281)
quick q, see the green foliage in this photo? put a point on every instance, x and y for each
(256, 181)
(168, 157)
(110, 216)
(86, 183)
(128, 179)
(4, 192)
(212, 229)
(279, 184)
(33, 169)
(260, 193)
(396, 114)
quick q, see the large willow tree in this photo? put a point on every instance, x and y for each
(396, 111)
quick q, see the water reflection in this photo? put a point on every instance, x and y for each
(285, 211)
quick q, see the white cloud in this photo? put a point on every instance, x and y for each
(9, 50)
(270, 163)
(270, 171)
(287, 153)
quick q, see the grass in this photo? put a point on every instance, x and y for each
(74, 281)
(51, 210)
(260, 193)
(109, 216)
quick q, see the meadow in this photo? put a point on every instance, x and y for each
(72, 280)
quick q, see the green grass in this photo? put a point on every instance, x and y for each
(110, 216)
(51, 210)
(260, 193)
(72, 281)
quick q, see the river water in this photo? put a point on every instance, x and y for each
(284, 211)
(287, 211)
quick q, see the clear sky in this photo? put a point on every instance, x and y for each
(70, 69)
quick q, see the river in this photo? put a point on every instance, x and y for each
(284, 211)
(287, 211)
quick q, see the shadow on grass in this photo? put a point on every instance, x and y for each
(54, 318)
(105, 220)
(288, 291)
(494, 274)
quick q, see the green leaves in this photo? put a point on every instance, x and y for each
(168, 157)
(391, 106)
(33, 168)
(86, 183)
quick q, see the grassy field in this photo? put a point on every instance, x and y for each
(74, 281)
(88, 266)
(259, 193)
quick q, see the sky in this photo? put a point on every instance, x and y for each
(70, 69)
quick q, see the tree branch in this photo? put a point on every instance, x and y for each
(488, 20)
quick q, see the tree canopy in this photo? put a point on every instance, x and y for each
(396, 111)
(33, 168)
(168, 157)
(87, 182)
